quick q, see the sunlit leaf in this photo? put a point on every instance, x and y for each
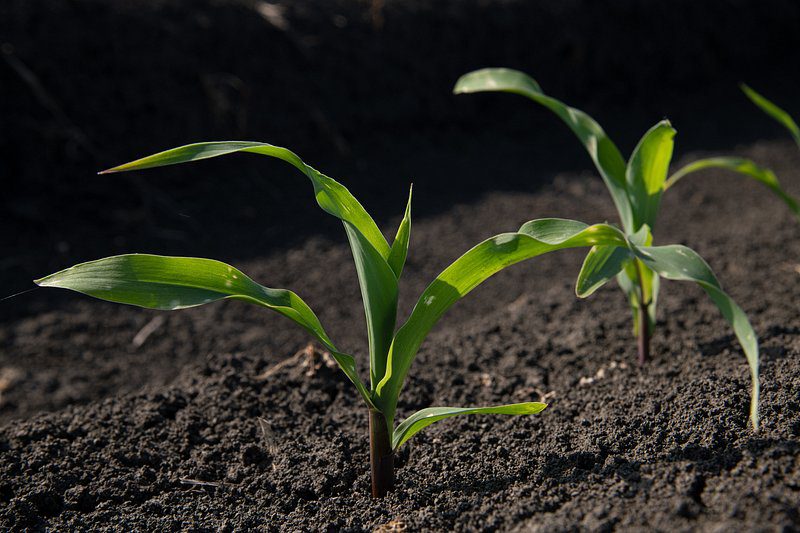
(397, 256)
(678, 262)
(602, 264)
(371, 252)
(742, 166)
(168, 283)
(602, 150)
(647, 171)
(331, 195)
(425, 417)
(478, 264)
(379, 296)
(774, 111)
(637, 278)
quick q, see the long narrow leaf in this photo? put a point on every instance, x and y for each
(399, 252)
(379, 295)
(768, 107)
(478, 264)
(678, 262)
(647, 171)
(332, 196)
(371, 252)
(745, 167)
(425, 417)
(168, 283)
(602, 150)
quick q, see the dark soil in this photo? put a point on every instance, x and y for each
(665, 447)
(104, 427)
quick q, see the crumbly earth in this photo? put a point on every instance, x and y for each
(115, 418)
(665, 447)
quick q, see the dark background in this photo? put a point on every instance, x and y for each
(361, 90)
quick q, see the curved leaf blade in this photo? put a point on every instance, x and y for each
(169, 283)
(377, 281)
(332, 196)
(425, 417)
(742, 166)
(647, 171)
(768, 107)
(628, 280)
(601, 264)
(379, 295)
(399, 252)
(467, 272)
(604, 153)
(678, 262)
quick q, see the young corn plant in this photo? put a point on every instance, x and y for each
(169, 283)
(778, 114)
(636, 188)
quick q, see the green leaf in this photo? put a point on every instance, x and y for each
(774, 111)
(379, 295)
(168, 283)
(745, 167)
(602, 263)
(638, 281)
(478, 264)
(678, 262)
(647, 171)
(376, 278)
(629, 281)
(425, 417)
(332, 196)
(602, 150)
(630, 287)
(397, 256)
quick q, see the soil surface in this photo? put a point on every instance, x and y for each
(667, 446)
(113, 417)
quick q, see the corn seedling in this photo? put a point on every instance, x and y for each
(169, 283)
(636, 188)
(778, 114)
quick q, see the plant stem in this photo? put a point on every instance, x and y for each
(381, 455)
(644, 334)
(644, 319)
